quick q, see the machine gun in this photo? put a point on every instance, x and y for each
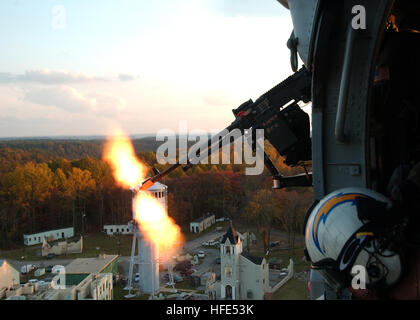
(285, 124)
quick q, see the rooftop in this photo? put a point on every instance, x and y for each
(198, 220)
(256, 260)
(157, 186)
(231, 234)
(90, 265)
(52, 230)
(3, 261)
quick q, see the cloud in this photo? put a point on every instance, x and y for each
(55, 77)
(107, 105)
(63, 97)
(48, 77)
(73, 101)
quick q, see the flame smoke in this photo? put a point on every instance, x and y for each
(149, 213)
(119, 153)
(156, 224)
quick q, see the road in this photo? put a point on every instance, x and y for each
(196, 243)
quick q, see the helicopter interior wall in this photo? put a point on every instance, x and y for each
(339, 164)
(304, 14)
(395, 115)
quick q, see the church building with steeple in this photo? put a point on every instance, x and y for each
(242, 276)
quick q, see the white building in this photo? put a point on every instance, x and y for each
(111, 229)
(62, 247)
(147, 258)
(202, 223)
(160, 191)
(242, 276)
(52, 235)
(9, 276)
(82, 279)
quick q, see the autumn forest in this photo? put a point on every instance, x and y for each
(48, 184)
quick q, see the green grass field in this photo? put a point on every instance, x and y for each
(30, 253)
(184, 285)
(294, 289)
(93, 245)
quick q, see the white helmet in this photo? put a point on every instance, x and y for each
(338, 237)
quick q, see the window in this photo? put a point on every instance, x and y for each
(249, 294)
(112, 230)
(118, 230)
(227, 249)
(62, 234)
(228, 272)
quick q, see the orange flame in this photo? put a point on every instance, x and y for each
(119, 153)
(149, 213)
(154, 221)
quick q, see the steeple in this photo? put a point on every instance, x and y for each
(231, 234)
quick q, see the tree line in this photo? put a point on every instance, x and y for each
(39, 191)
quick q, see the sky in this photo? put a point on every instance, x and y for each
(78, 67)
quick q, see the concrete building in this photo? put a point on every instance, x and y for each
(104, 263)
(111, 229)
(84, 279)
(51, 235)
(160, 191)
(9, 276)
(242, 276)
(62, 247)
(202, 223)
(147, 258)
(88, 279)
(93, 287)
(24, 290)
(96, 286)
(148, 266)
